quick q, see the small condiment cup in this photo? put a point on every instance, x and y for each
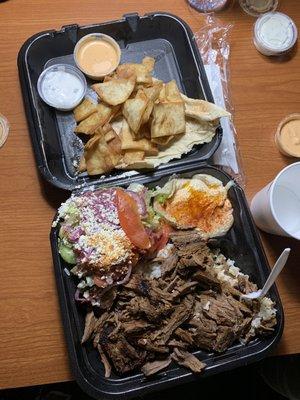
(278, 138)
(4, 129)
(257, 7)
(276, 207)
(59, 97)
(270, 42)
(102, 37)
(207, 6)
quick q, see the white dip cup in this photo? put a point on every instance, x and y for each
(276, 208)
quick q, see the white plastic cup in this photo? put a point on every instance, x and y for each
(276, 208)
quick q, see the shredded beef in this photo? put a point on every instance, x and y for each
(151, 368)
(148, 322)
(188, 360)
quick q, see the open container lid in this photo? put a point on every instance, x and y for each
(160, 35)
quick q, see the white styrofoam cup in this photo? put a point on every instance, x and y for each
(276, 207)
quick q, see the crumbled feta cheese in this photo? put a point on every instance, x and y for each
(256, 322)
(155, 271)
(81, 284)
(234, 271)
(101, 240)
(166, 251)
(267, 310)
(226, 270)
(89, 281)
(224, 277)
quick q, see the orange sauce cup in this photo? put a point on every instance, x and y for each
(97, 55)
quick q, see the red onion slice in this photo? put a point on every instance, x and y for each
(141, 204)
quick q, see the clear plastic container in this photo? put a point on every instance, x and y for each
(62, 86)
(208, 5)
(275, 33)
(255, 8)
(4, 129)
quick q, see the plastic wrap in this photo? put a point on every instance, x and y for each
(213, 43)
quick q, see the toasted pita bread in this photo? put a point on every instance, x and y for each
(152, 94)
(204, 129)
(132, 156)
(162, 141)
(115, 91)
(203, 110)
(82, 165)
(172, 93)
(142, 164)
(107, 132)
(168, 119)
(84, 109)
(149, 63)
(97, 156)
(114, 146)
(133, 110)
(89, 125)
(142, 71)
(128, 142)
(110, 135)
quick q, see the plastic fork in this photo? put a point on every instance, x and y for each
(280, 263)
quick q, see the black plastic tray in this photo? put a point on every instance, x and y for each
(241, 244)
(163, 36)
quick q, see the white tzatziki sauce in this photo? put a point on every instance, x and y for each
(62, 89)
(276, 31)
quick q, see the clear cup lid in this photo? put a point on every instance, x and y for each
(208, 5)
(275, 32)
(258, 7)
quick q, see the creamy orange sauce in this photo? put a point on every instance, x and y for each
(97, 57)
(289, 137)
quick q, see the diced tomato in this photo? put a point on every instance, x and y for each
(101, 283)
(130, 220)
(166, 229)
(160, 238)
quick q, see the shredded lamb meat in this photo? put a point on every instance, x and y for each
(194, 304)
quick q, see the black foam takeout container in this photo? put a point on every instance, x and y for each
(170, 41)
(162, 36)
(241, 244)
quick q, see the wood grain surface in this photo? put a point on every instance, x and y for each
(264, 90)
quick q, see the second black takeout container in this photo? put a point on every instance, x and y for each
(163, 36)
(170, 41)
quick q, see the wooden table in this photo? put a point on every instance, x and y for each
(264, 90)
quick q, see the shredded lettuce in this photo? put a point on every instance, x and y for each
(73, 214)
(136, 187)
(66, 251)
(161, 198)
(153, 219)
(167, 190)
(86, 283)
